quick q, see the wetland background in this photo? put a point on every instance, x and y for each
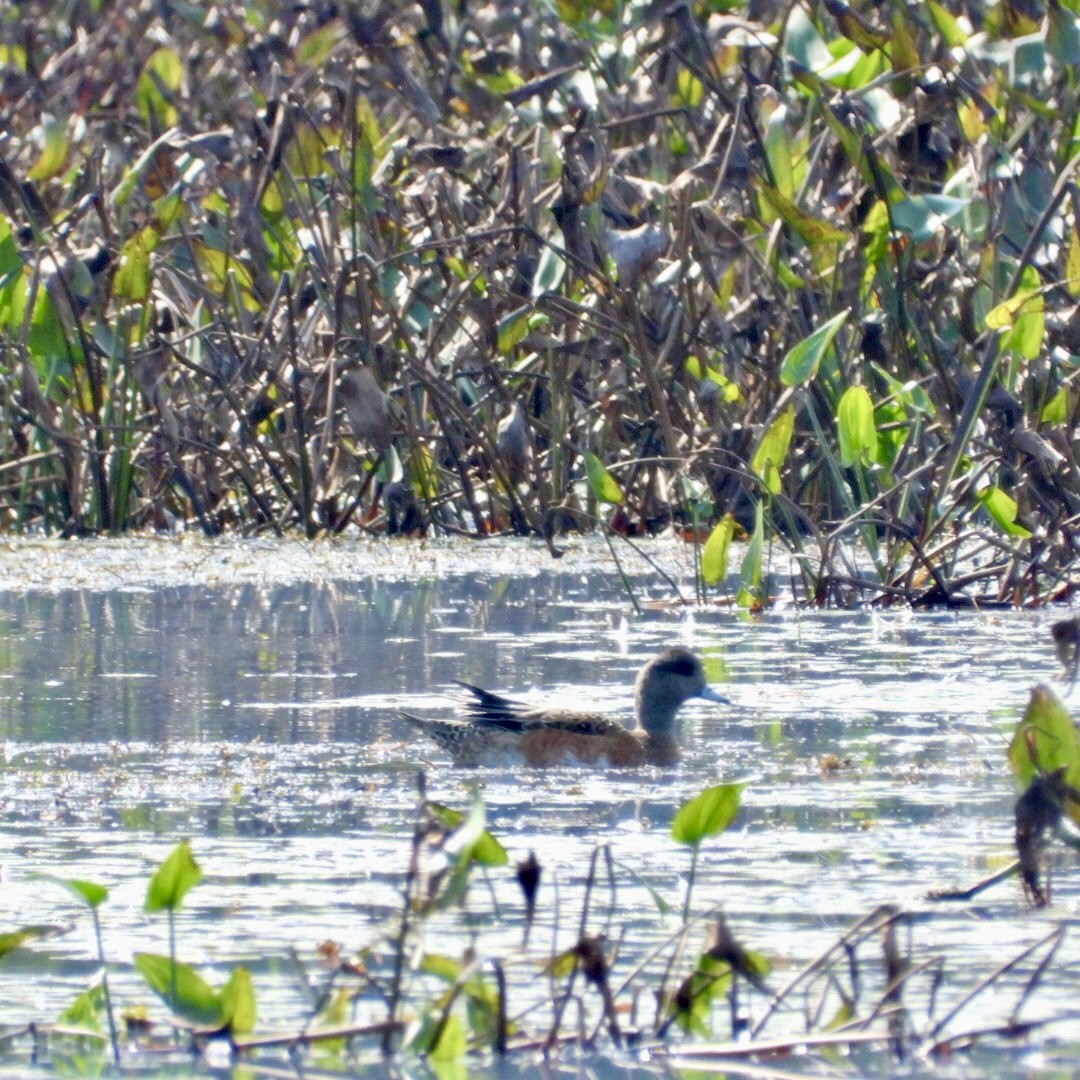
(803, 276)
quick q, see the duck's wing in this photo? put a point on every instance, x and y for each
(488, 708)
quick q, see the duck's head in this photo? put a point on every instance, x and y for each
(664, 683)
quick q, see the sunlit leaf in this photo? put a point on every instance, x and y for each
(803, 359)
(511, 329)
(1072, 263)
(86, 1010)
(174, 878)
(158, 83)
(89, 892)
(601, 483)
(750, 571)
(195, 1000)
(773, 448)
(855, 423)
(902, 50)
(132, 278)
(1002, 508)
(550, 270)
(803, 43)
(1026, 334)
(813, 231)
(238, 1003)
(54, 149)
(486, 849)
(706, 814)
(691, 1004)
(14, 939)
(924, 216)
(778, 153)
(1056, 410)
(1046, 739)
(946, 23)
(714, 555)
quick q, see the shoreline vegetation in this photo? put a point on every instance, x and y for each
(805, 276)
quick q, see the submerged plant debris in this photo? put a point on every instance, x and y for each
(805, 273)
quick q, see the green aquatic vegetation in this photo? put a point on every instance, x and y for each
(427, 281)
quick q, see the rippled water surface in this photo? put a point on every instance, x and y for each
(193, 695)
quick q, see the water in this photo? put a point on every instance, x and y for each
(255, 713)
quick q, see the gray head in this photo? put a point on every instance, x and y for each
(664, 683)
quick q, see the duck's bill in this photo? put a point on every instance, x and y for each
(709, 694)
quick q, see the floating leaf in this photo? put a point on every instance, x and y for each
(714, 556)
(772, 450)
(601, 483)
(855, 422)
(1002, 508)
(803, 359)
(174, 878)
(707, 814)
(195, 1001)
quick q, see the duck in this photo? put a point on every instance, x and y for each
(496, 727)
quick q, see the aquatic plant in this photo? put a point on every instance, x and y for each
(404, 993)
(809, 273)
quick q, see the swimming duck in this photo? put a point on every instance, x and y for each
(494, 725)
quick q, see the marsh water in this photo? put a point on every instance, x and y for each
(146, 697)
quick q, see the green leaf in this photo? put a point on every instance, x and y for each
(947, 25)
(196, 1001)
(176, 875)
(1046, 739)
(804, 44)
(855, 422)
(132, 279)
(487, 851)
(923, 216)
(1056, 409)
(54, 150)
(238, 1003)
(442, 967)
(1002, 508)
(691, 1005)
(773, 448)
(158, 82)
(1062, 35)
(1026, 334)
(86, 1010)
(778, 152)
(714, 556)
(89, 892)
(550, 271)
(707, 814)
(601, 483)
(1072, 263)
(511, 329)
(802, 361)
(750, 572)
(812, 230)
(14, 939)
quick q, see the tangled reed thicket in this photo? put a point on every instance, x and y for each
(809, 271)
